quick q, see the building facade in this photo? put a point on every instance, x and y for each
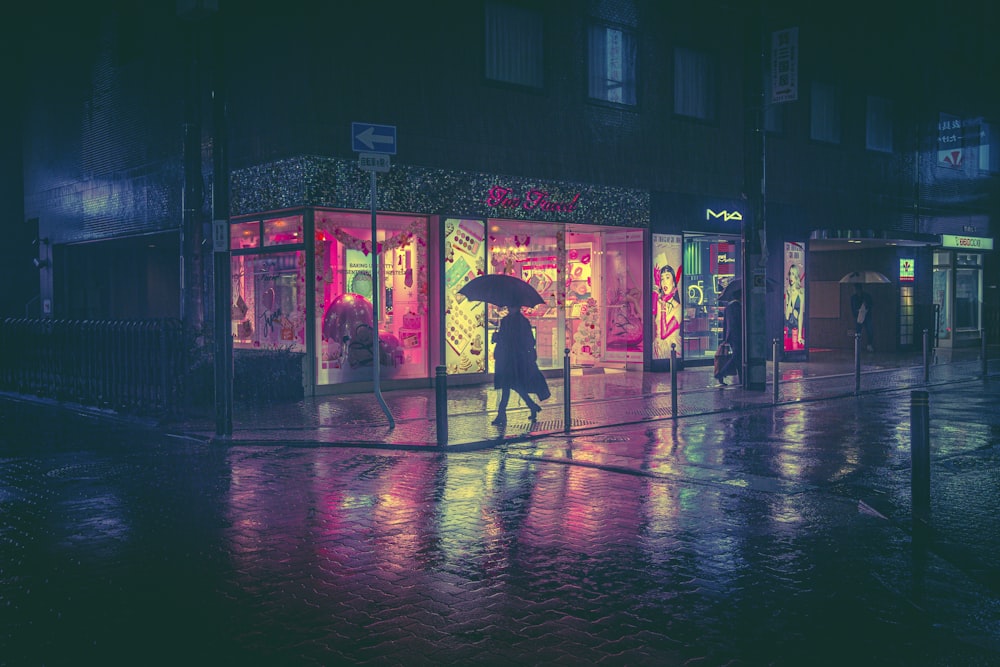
(599, 150)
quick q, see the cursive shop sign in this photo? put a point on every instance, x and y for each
(532, 200)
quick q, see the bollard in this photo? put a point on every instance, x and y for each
(857, 364)
(566, 392)
(441, 404)
(776, 354)
(673, 380)
(920, 456)
(927, 356)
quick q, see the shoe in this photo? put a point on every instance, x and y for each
(722, 382)
(535, 409)
(501, 420)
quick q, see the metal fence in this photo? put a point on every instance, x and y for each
(133, 366)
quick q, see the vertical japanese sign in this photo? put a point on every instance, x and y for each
(784, 65)
(795, 297)
(667, 279)
(949, 141)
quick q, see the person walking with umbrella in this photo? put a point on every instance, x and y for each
(516, 364)
(516, 368)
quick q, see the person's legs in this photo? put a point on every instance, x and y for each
(502, 406)
(534, 407)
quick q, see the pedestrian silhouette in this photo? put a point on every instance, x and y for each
(732, 334)
(516, 366)
(861, 307)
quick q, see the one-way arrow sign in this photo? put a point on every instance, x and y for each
(371, 138)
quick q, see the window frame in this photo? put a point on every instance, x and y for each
(598, 24)
(496, 78)
(837, 97)
(888, 118)
(711, 61)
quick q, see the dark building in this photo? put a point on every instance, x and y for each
(629, 158)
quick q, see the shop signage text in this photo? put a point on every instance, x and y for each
(725, 215)
(966, 242)
(501, 197)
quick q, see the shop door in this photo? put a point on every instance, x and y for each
(710, 263)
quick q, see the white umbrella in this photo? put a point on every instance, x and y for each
(864, 277)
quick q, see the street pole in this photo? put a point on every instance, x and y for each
(220, 233)
(376, 305)
(754, 274)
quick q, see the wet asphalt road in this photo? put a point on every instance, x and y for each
(772, 536)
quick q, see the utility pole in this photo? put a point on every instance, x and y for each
(220, 233)
(753, 242)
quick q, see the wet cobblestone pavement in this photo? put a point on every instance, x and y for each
(748, 534)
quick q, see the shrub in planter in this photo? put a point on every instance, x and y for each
(261, 376)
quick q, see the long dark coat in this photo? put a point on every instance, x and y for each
(732, 333)
(516, 366)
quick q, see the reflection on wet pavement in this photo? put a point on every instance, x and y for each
(775, 536)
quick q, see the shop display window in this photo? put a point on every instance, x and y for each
(283, 231)
(668, 286)
(243, 235)
(465, 321)
(535, 253)
(268, 309)
(345, 297)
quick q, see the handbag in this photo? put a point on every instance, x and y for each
(722, 356)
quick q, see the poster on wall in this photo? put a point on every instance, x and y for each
(667, 279)
(795, 297)
(465, 321)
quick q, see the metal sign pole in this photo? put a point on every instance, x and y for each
(376, 304)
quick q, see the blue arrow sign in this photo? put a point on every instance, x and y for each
(371, 138)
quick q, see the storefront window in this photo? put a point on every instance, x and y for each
(968, 279)
(942, 274)
(668, 286)
(465, 321)
(282, 231)
(268, 309)
(532, 252)
(345, 290)
(243, 235)
(795, 298)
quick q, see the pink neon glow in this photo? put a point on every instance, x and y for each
(501, 197)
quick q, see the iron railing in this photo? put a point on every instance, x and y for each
(132, 366)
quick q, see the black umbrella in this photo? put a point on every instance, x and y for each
(501, 290)
(734, 289)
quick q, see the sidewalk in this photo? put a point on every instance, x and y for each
(597, 400)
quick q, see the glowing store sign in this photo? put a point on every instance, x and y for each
(966, 242)
(725, 215)
(533, 200)
(906, 270)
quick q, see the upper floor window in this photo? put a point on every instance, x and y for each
(611, 64)
(514, 45)
(694, 84)
(878, 124)
(825, 121)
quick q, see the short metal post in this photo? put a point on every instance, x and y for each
(673, 380)
(920, 456)
(927, 356)
(857, 363)
(441, 404)
(567, 413)
(776, 356)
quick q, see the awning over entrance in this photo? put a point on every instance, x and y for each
(844, 239)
